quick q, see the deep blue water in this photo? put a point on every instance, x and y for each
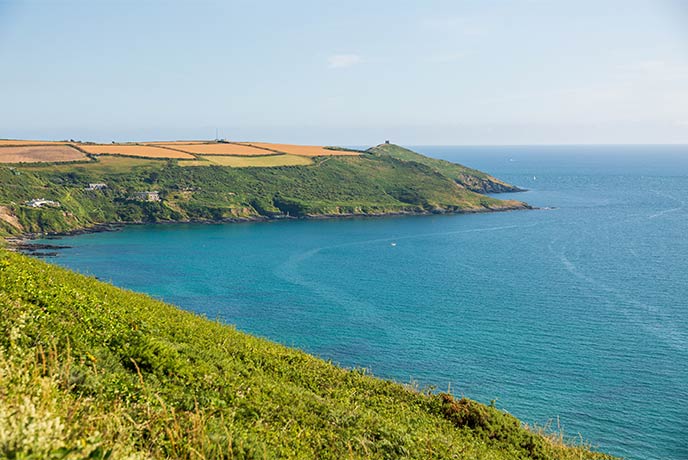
(578, 313)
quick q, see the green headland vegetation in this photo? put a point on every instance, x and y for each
(386, 179)
(88, 370)
(472, 179)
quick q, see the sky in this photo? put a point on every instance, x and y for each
(346, 72)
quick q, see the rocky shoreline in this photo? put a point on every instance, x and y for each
(23, 243)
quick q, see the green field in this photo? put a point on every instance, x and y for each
(102, 164)
(91, 371)
(236, 161)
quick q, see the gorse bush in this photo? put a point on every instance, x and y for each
(91, 371)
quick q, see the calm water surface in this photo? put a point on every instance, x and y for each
(578, 313)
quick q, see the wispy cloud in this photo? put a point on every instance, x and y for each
(342, 61)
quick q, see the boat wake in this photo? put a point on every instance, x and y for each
(648, 317)
(682, 204)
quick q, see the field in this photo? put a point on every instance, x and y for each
(304, 150)
(250, 161)
(173, 143)
(145, 151)
(38, 154)
(4, 142)
(105, 164)
(220, 149)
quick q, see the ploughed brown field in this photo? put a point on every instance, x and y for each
(8, 142)
(221, 149)
(146, 151)
(40, 154)
(303, 150)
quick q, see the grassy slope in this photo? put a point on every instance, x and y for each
(87, 369)
(472, 179)
(367, 184)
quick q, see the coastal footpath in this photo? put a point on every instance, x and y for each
(47, 198)
(88, 370)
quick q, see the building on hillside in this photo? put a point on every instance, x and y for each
(41, 202)
(147, 196)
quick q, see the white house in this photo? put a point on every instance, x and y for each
(40, 202)
(147, 196)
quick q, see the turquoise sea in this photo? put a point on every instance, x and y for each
(575, 315)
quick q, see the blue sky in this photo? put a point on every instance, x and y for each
(354, 72)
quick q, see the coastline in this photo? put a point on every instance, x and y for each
(23, 243)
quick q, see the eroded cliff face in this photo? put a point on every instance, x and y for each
(8, 217)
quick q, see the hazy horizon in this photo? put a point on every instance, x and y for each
(417, 73)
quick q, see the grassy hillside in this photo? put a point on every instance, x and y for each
(91, 371)
(472, 179)
(367, 184)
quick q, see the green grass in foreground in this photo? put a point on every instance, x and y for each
(88, 370)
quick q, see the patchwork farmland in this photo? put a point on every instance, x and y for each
(189, 153)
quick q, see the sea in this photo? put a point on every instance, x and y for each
(572, 316)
